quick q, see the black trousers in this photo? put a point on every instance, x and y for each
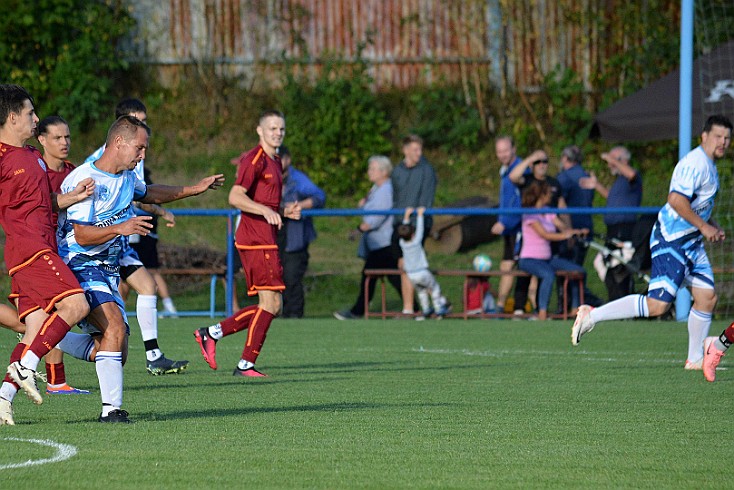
(382, 258)
(295, 265)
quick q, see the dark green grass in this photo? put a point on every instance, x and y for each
(396, 404)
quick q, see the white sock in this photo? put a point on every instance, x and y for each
(698, 328)
(168, 305)
(243, 364)
(146, 308)
(109, 373)
(632, 306)
(215, 332)
(8, 391)
(30, 360)
(77, 345)
(153, 354)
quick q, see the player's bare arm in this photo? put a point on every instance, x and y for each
(87, 235)
(159, 211)
(83, 190)
(159, 193)
(682, 206)
(239, 199)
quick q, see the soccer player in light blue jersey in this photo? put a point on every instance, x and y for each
(90, 240)
(676, 244)
(132, 270)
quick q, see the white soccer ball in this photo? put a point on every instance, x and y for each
(481, 263)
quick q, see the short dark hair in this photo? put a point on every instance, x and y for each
(405, 231)
(12, 98)
(270, 113)
(126, 126)
(283, 151)
(128, 106)
(533, 192)
(506, 137)
(47, 121)
(412, 138)
(717, 120)
(573, 153)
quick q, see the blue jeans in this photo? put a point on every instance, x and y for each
(545, 270)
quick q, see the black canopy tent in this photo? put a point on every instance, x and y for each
(651, 114)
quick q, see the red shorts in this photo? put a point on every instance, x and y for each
(43, 283)
(262, 268)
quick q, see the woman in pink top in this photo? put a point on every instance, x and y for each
(538, 231)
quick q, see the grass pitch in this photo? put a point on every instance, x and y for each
(392, 404)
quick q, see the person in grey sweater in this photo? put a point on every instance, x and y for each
(414, 185)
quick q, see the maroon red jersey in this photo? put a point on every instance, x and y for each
(263, 178)
(56, 178)
(25, 206)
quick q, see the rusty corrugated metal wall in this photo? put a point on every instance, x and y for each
(406, 42)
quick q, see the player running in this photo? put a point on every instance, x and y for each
(678, 254)
(91, 242)
(257, 194)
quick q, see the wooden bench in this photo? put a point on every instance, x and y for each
(567, 276)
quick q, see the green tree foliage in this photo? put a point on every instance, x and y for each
(334, 125)
(66, 54)
(444, 119)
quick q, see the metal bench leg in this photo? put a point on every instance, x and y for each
(213, 295)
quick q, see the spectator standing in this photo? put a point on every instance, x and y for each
(414, 185)
(625, 192)
(508, 225)
(576, 196)
(376, 234)
(296, 235)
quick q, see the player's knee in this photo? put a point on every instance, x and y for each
(73, 309)
(657, 308)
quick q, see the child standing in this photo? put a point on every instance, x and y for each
(415, 265)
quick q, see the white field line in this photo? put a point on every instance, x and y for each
(63, 452)
(587, 356)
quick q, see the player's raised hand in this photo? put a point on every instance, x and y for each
(137, 225)
(211, 182)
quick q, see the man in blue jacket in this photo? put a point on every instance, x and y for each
(295, 235)
(507, 225)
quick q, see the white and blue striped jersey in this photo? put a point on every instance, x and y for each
(695, 177)
(112, 203)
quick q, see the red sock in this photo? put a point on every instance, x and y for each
(256, 336)
(239, 321)
(56, 374)
(729, 333)
(52, 331)
(17, 353)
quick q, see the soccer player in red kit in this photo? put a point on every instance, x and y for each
(55, 138)
(48, 295)
(257, 194)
